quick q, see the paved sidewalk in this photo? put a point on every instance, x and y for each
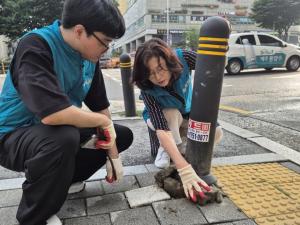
(138, 201)
(262, 183)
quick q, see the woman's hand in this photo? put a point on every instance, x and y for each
(192, 184)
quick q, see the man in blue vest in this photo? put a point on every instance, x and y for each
(43, 130)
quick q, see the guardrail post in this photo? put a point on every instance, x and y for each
(128, 88)
(213, 45)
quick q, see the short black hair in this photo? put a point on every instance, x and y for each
(154, 47)
(95, 15)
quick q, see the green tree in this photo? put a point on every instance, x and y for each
(116, 2)
(20, 16)
(278, 15)
(191, 39)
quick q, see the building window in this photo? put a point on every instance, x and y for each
(197, 12)
(159, 19)
(240, 20)
(198, 18)
(135, 26)
(172, 19)
(181, 19)
(140, 22)
(131, 2)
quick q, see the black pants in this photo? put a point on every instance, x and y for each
(52, 160)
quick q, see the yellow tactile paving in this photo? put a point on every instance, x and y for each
(290, 189)
(260, 200)
(269, 193)
(288, 219)
(270, 172)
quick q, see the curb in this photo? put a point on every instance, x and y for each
(288, 153)
(283, 151)
(280, 153)
(16, 183)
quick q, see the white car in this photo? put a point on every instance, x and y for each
(259, 50)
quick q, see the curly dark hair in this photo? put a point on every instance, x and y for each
(154, 48)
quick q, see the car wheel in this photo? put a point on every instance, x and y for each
(234, 66)
(293, 63)
(268, 69)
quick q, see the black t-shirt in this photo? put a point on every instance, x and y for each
(35, 80)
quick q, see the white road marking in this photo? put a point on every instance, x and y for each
(283, 77)
(119, 81)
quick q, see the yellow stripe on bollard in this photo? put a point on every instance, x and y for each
(213, 39)
(125, 65)
(202, 52)
(225, 47)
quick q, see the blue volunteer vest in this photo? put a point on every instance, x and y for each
(73, 73)
(182, 86)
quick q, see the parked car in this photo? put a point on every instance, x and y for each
(113, 62)
(259, 50)
(109, 62)
(104, 62)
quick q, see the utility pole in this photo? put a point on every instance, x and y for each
(168, 37)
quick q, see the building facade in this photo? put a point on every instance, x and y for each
(147, 19)
(3, 48)
(123, 5)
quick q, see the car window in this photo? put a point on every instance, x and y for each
(250, 38)
(104, 59)
(268, 41)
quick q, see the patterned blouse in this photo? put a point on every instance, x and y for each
(155, 111)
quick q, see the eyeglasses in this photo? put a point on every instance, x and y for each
(159, 71)
(101, 42)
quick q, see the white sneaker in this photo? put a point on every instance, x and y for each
(162, 159)
(54, 220)
(218, 135)
(76, 187)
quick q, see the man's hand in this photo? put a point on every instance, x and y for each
(192, 184)
(114, 169)
(109, 134)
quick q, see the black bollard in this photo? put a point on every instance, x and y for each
(213, 45)
(128, 88)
